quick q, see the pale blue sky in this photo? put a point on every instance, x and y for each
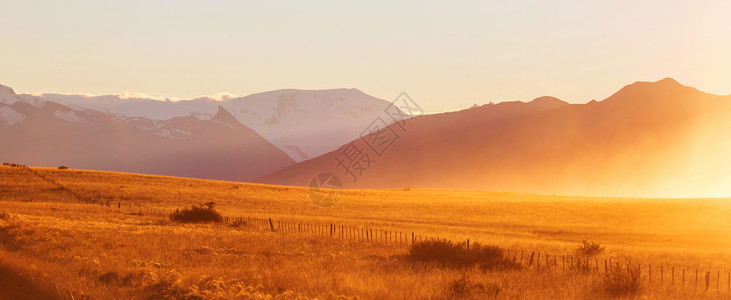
(445, 54)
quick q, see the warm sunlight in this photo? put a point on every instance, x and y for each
(365, 150)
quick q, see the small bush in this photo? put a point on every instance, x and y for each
(589, 248)
(623, 282)
(458, 255)
(110, 277)
(62, 167)
(464, 288)
(197, 214)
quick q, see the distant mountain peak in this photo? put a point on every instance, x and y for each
(225, 116)
(6, 89)
(666, 90)
(548, 101)
(7, 95)
(668, 81)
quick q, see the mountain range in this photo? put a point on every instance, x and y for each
(648, 139)
(302, 123)
(39, 132)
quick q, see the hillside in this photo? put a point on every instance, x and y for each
(512, 217)
(648, 139)
(40, 132)
(302, 123)
(120, 253)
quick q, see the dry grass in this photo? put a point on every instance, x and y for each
(589, 248)
(197, 214)
(68, 248)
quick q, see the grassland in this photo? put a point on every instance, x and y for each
(69, 249)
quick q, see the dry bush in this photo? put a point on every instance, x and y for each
(62, 167)
(465, 288)
(623, 282)
(458, 255)
(197, 214)
(589, 248)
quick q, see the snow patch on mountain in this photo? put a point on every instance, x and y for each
(7, 95)
(70, 116)
(313, 121)
(8, 116)
(294, 152)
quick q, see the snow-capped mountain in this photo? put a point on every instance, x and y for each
(649, 139)
(38, 132)
(302, 123)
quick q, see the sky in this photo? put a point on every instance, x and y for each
(447, 55)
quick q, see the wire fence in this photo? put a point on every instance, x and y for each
(653, 275)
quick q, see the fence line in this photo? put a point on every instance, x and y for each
(550, 262)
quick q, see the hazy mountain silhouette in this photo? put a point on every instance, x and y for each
(303, 123)
(44, 133)
(648, 139)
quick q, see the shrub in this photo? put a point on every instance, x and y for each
(110, 277)
(458, 255)
(464, 288)
(197, 214)
(62, 167)
(623, 282)
(589, 248)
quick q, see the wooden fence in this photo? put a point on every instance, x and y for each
(654, 275)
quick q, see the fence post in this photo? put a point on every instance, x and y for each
(331, 229)
(531, 258)
(271, 224)
(571, 262)
(468, 244)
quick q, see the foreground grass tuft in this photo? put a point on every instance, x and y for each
(465, 288)
(623, 282)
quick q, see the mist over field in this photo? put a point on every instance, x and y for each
(342, 150)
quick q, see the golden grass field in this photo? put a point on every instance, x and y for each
(53, 246)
